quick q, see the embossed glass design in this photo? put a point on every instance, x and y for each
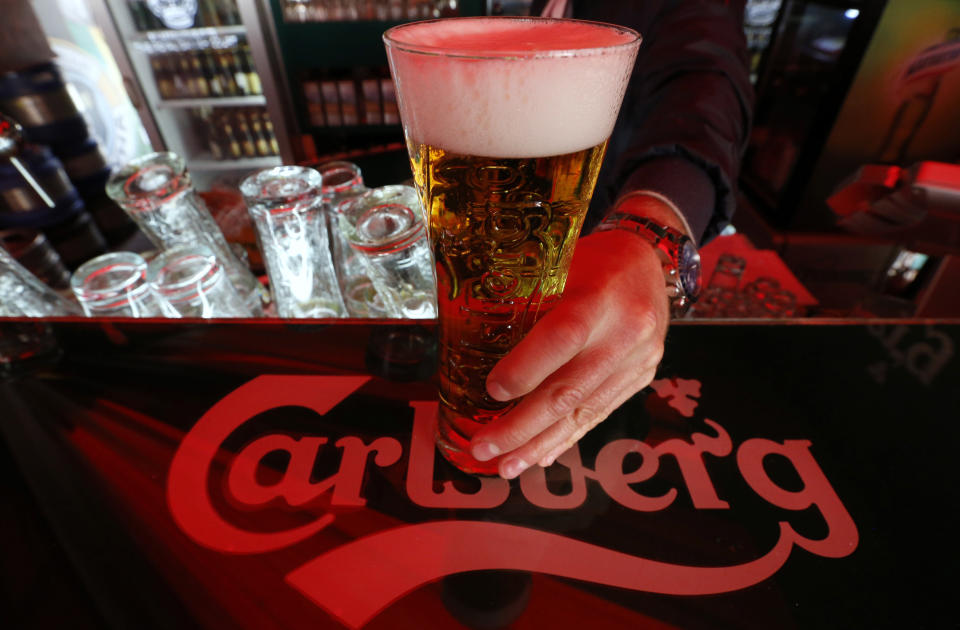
(343, 182)
(115, 285)
(188, 281)
(506, 121)
(156, 191)
(387, 230)
(286, 205)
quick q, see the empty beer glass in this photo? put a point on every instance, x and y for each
(188, 281)
(156, 191)
(115, 285)
(342, 182)
(386, 227)
(286, 205)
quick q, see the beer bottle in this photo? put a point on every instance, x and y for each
(161, 76)
(227, 78)
(186, 72)
(238, 74)
(271, 138)
(173, 68)
(213, 136)
(256, 126)
(208, 11)
(199, 77)
(246, 138)
(210, 72)
(230, 138)
(253, 79)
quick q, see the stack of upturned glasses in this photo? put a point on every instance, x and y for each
(331, 247)
(334, 248)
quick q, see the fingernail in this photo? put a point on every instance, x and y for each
(513, 467)
(497, 392)
(485, 451)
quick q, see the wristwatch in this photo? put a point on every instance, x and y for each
(681, 261)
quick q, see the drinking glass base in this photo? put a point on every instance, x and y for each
(455, 447)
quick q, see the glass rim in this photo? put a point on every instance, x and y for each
(332, 167)
(118, 186)
(260, 200)
(507, 55)
(194, 283)
(129, 282)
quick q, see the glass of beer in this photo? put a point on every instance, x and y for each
(506, 122)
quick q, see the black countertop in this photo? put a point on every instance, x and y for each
(279, 475)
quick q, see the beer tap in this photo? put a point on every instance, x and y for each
(11, 142)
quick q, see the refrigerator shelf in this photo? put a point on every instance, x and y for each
(228, 101)
(209, 164)
(176, 34)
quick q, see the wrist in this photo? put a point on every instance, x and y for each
(652, 218)
(652, 205)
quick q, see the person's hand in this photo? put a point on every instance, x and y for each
(600, 344)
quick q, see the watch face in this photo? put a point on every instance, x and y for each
(690, 269)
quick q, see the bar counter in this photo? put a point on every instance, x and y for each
(270, 474)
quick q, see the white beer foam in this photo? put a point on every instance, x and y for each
(492, 105)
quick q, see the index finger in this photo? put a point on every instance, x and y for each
(551, 343)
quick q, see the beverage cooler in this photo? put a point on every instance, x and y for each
(199, 74)
(339, 97)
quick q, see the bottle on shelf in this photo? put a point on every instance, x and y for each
(271, 137)
(215, 142)
(199, 77)
(253, 79)
(372, 109)
(186, 74)
(232, 142)
(227, 76)
(388, 95)
(259, 137)
(233, 133)
(239, 74)
(162, 76)
(208, 13)
(247, 143)
(350, 96)
(210, 70)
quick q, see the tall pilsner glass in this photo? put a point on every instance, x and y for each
(506, 121)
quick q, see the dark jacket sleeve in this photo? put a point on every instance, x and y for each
(686, 116)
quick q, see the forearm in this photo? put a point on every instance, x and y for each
(686, 117)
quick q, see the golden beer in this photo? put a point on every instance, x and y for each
(502, 232)
(507, 121)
